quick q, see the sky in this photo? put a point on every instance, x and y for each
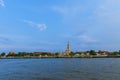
(48, 25)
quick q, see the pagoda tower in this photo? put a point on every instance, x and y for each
(68, 49)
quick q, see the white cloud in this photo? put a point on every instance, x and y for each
(68, 10)
(86, 38)
(39, 26)
(61, 10)
(2, 3)
(110, 9)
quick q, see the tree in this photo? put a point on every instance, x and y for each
(119, 52)
(115, 53)
(72, 54)
(3, 54)
(92, 52)
(21, 53)
(56, 54)
(31, 54)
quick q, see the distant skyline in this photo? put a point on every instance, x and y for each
(48, 25)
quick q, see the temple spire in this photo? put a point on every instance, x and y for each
(68, 49)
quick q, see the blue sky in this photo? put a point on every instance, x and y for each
(47, 25)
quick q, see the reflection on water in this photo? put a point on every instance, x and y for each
(60, 69)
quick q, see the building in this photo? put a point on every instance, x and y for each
(68, 49)
(42, 53)
(11, 53)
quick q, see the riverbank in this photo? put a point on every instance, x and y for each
(60, 57)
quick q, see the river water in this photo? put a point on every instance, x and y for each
(60, 69)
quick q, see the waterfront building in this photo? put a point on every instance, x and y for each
(68, 49)
(11, 53)
(77, 55)
(83, 54)
(42, 53)
(87, 54)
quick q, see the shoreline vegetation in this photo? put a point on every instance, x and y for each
(85, 54)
